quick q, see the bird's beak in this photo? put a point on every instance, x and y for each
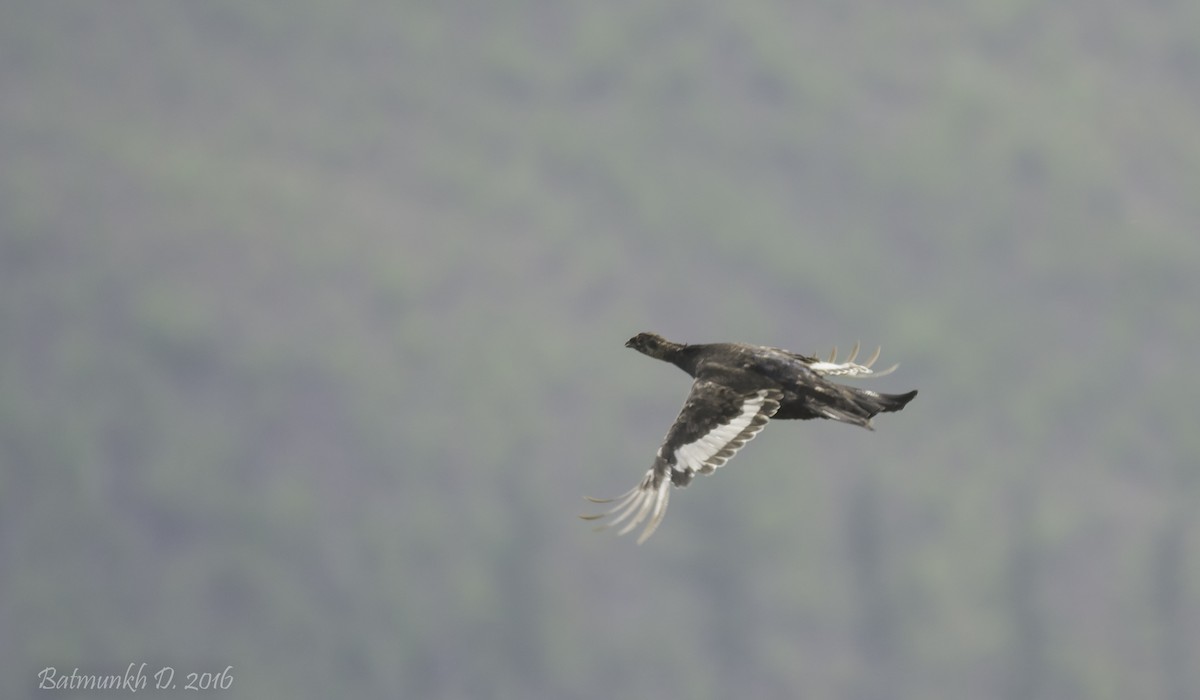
(629, 343)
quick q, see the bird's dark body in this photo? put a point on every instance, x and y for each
(806, 394)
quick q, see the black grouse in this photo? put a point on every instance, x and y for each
(738, 388)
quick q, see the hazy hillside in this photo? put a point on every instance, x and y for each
(311, 326)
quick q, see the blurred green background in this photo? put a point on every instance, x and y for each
(311, 326)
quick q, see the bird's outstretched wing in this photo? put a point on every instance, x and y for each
(714, 424)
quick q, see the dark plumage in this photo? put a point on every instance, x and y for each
(738, 388)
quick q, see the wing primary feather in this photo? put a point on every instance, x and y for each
(873, 358)
(621, 502)
(647, 499)
(660, 510)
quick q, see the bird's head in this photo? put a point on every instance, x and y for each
(651, 344)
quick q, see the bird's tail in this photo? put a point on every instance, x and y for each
(893, 402)
(862, 404)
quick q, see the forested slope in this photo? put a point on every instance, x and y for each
(311, 321)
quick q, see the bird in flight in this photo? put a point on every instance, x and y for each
(737, 389)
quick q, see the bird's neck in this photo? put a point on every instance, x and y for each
(685, 357)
